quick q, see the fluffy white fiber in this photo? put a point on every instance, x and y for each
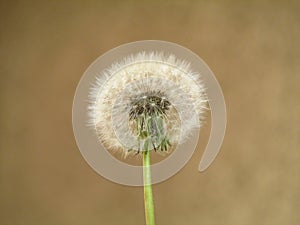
(137, 75)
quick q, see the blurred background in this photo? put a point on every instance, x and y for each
(254, 50)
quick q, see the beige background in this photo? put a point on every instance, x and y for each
(253, 48)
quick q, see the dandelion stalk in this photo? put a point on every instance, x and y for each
(148, 197)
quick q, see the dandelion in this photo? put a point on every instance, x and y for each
(146, 102)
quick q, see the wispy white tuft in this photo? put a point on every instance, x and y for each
(146, 72)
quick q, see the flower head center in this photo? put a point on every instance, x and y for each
(148, 113)
(149, 105)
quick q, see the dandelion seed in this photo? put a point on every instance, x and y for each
(147, 99)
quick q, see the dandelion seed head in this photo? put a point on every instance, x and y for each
(155, 84)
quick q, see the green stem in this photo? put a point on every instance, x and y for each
(148, 197)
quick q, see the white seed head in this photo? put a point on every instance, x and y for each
(123, 90)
